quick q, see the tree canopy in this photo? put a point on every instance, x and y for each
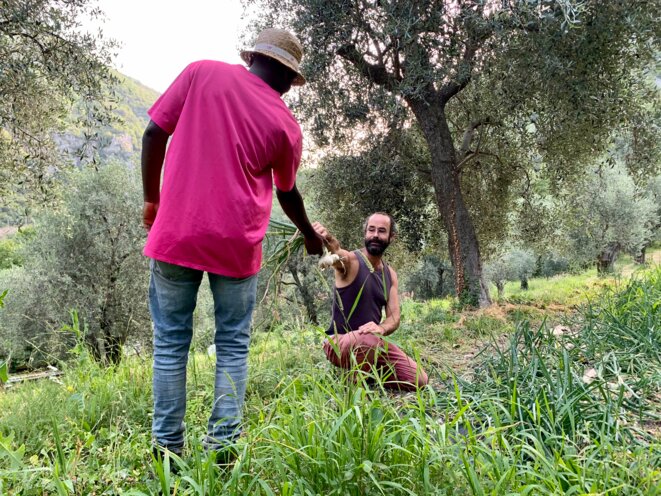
(495, 87)
(46, 64)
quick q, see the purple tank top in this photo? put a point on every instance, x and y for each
(370, 289)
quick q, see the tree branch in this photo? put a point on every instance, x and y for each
(377, 73)
(476, 37)
(475, 154)
(453, 87)
(469, 133)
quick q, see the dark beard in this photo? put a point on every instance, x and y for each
(376, 247)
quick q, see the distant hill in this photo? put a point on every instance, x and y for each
(133, 100)
(122, 140)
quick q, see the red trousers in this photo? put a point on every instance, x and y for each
(371, 354)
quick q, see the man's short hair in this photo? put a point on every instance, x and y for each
(393, 226)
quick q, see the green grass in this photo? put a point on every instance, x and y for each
(524, 423)
(569, 290)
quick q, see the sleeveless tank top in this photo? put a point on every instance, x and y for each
(361, 301)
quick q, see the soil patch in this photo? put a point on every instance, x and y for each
(7, 231)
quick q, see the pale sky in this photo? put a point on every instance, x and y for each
(160, 38)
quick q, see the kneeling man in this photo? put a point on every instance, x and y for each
(364, 286)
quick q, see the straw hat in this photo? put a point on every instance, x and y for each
(280, 45)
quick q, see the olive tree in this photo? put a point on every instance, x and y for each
(85, 256)
(608, 214)
(48, 65)
(514, 265)
(490, 85)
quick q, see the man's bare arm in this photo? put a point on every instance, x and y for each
(293, 206)
(391, 323)
(154, 142)
(341, 263)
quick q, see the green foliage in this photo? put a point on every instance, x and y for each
(551, 264)
(610, 214)
(11, 246)
(9, 255)
(524, 422)
(85, 256)
(431, 278)
(387, 177)
(47, 64)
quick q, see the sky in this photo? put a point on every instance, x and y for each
(158, 39)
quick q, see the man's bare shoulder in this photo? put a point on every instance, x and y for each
(393, 273)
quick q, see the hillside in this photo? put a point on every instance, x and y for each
(121, 140)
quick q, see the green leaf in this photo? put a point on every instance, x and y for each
(4, 372)
(367, 466)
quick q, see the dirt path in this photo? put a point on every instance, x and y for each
(7, 231)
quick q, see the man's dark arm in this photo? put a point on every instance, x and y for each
(293, 206)
(154, 142)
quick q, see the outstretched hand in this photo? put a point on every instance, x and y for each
(328, 238)
(314, 245)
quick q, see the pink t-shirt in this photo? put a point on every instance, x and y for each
(231, 133)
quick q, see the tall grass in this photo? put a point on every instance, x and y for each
(526, 423)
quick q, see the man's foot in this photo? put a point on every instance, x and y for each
(226, 457)
(224, 451)
(160, 453)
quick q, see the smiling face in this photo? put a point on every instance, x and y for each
(377, 234)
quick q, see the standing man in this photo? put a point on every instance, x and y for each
(364, 287)
(232, 138)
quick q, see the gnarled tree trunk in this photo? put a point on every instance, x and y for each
(606, 259)
(446, 178)
(500, 286)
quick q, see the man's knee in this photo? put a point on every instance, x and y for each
(421, 378)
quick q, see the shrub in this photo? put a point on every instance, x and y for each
(9, 255)
(552, 264)
(86, 256)
(432, 278)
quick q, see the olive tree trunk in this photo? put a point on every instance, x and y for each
(639, 258)
(446, 179)
(500, 286)
(606, 259)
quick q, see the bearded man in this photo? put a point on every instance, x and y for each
(365, 286)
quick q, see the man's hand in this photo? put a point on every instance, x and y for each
(314, 245)
(330, 241)
(149, 211)
(371, 328)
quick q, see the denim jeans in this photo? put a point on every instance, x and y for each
(172, 298)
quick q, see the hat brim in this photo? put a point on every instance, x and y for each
(299, 80)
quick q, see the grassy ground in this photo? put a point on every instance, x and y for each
(513, 408)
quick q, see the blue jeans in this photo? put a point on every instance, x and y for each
(172, 298)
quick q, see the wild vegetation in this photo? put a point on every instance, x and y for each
(544, 403)
(516, 144)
